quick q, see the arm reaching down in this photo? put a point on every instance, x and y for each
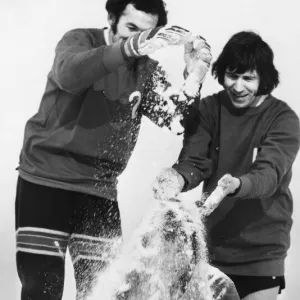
(194, 163)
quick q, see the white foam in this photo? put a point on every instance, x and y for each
(156, 256)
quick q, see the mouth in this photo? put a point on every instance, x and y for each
(237, 97)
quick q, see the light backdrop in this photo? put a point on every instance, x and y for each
(29, 32)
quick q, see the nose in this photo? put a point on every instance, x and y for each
(238, 85)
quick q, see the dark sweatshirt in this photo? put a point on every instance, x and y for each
(83, 134)
(248, 234)
(85, 130)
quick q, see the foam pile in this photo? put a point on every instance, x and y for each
(159, 260)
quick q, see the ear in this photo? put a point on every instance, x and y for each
(111, 19)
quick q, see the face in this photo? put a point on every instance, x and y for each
(131, 22)
(242, 88)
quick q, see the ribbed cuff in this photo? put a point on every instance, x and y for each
(246, 186)
(237, 190)
(129, 46)
(122, 46)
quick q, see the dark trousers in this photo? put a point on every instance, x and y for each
(50, 220)
(246, 285)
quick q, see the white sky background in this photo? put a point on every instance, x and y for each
(31, 30)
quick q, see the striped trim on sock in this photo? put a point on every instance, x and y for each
(93, 248)
(42, 241)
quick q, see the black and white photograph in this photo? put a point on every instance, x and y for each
(150, 150)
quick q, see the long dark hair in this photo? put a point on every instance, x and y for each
(246, 51)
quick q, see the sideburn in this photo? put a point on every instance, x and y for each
(114, 26)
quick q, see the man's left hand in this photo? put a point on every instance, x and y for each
(168, 184)
(229, 183)
(197, 56)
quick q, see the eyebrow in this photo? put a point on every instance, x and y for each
(234, 73)
(251, 76)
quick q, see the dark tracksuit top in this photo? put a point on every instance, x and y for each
(83, 134)
(248, 234)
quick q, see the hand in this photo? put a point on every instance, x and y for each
(229, 184)
(226, 185)
(168, 184)
(197, 57)
(148, 41)
(196, 54)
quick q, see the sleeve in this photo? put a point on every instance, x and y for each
(274, 159)
(194, 163)
(78, 64)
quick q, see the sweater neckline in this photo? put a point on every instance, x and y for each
(105, 32)
(245, 111)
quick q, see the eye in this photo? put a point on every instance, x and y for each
(248, 78)
(132, 28)
(231, 75)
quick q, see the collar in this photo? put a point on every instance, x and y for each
(106, 35)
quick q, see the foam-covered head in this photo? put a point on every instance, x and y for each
(160, 257)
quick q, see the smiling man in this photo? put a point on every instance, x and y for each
(244, 139)
(242, 88)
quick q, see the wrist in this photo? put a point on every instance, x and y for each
(181, 182)
(238, 187)
(124, 49)
(130, 46)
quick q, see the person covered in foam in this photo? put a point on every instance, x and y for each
(165, 259)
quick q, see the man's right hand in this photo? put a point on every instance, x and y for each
(148, 41)
(197, 54)
(168, 184)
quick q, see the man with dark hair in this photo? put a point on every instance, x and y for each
(80, 141)
(115, 9)
(244, 141)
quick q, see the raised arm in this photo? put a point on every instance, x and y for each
(79, 61)
(193, 162)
